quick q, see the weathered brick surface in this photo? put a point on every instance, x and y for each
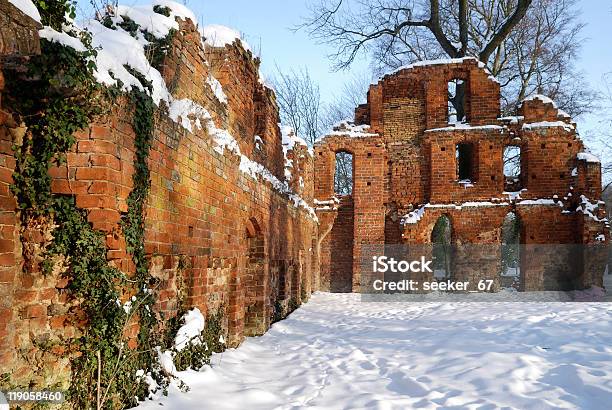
(18, 32)
(412, 162)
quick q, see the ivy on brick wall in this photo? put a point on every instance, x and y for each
(56, 97)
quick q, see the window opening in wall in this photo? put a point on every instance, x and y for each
(456, 101)
(464, 156)
(510, 251)
(343, 177)
(441, 248)
(512, 168)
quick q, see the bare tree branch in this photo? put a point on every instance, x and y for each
(506, 28)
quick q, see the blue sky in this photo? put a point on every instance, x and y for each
(266, 25)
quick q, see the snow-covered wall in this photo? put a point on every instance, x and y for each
(225, 191)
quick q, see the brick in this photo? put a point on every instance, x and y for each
(7, 259)
(103, 215)
(34, 311)
(95, 201)
(98, 173)
(97, 146)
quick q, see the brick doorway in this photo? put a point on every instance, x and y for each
(255, 320)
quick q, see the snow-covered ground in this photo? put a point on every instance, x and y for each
(337, 352)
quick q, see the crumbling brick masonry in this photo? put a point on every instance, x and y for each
(217, 237)
(414, 162)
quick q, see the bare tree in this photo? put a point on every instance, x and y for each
(530, 45)
(342, 106)
(605, 131)
(299, 102)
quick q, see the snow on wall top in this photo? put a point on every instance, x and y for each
(442, 61)
(466, 127)
(155, 23)
(117, 49)
(217, 35)
(289, 138)
(60, 37)
(217, 88)
(417, 214)
(28, 8)
(548, 124)
(588, 157)
(177, 10)
(348, 128)
(543, 98)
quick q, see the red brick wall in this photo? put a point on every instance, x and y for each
(215, 236)
(413, 162)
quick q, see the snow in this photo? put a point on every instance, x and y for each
(466, 183)
(563, 114)
(590, 209)
(177, 10)
(289, 139)
(588, 157)
(116, 48)
(543, 98)
(541, 201)
(189, 111)
(349, 129)
(62, 38)
(166, 361)
(513, 197)
(155, 23)
(191, 329)
(258, 142)
(441, 61)
(459, 126)
(513, 119)
(216, 35)
(416, 215)
(548, 124)
(217, 89)
(28, 8)
(338, 352)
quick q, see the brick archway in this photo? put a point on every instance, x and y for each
(255, 315)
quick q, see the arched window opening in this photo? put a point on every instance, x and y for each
(441, 248)
(512, 168)
(343, 177)
(464, 157)
(456, 101)
(255, 322)
(510, 251)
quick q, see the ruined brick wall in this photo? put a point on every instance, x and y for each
(217, 237)
(411, 178)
